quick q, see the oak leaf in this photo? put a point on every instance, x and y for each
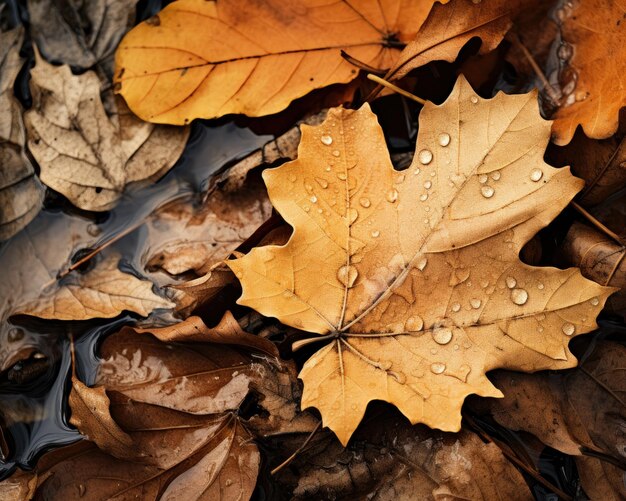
(199, 59)
(88, 153)
(592, 84)
(21, 193)
(414, 276)
(103, 292)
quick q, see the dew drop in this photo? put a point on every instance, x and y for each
(428, 185)
(328, 168)
(392, 195)
(536, 175)
(313, 199)
(292, 178)
(228, 482)
(540, 286)
(568, 329)
(496, 175)
(519, 296)
(444, 139)
(400, 377)
(421, 264)
(347, 275)
(425, 157)
(322, 182)
(456, 307)
(474, 99)
(352, 214)
(475, 303)
(424, 197)
(375, 233)
(594, 301)
(416, 171)
(487, 191)
(365, 202)
(442, 335)
(565, 51)
(511, 282)
(482, 178)
(342, 176)
(414, 324)
(336, 153)
(327, 140)
(437, 367)
(400, 179)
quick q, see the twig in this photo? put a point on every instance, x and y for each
(531, 60)
(597, 223)
(298, 450)
(389, 85)
(361, 65)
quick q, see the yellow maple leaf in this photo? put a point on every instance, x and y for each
(414, 276)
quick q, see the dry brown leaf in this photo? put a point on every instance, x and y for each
(103, 292)
(593, 38)
(80, 33)
(198, 59)
(449, 27)
(577, 412)
(228, 331)
(84, 153)
(21, 193)
(414, 276)
(94, 403)
(396, 461)
(600, 259)
(184, 238)
(602, 164)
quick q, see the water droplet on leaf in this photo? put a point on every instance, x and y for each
(347, 275)
(327, 140)
(519, 296)
(425, 157)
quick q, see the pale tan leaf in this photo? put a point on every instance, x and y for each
(85, 154)
(103, 292)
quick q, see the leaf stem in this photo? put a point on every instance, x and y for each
(298, 450)
(395, 88)
(597, 223)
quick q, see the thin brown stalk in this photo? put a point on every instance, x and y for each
(298, 450)
(395, 88)
(597, 223)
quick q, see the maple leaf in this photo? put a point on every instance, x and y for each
(414, 276)
(199, 59)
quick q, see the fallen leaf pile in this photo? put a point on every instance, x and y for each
(388, 261)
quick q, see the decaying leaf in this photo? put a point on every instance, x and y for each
(600, 259)
(186, 238)
(449, 27)
(199, 59)
(80, 33)
(414, 276)
(602, 164)
(85, 154)
(580, 411)
(399, 461)
(592, 77)
(21, 194)
(103, 292)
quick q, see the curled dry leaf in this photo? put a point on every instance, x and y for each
(579, 411)
(21, 194)
(593, 84)
(199, 59)
(449, 27)
(414, 277)
(600, 259)
(83, 33)
(103, 292)
(84, 153)
(399, 461)
(185, 238)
